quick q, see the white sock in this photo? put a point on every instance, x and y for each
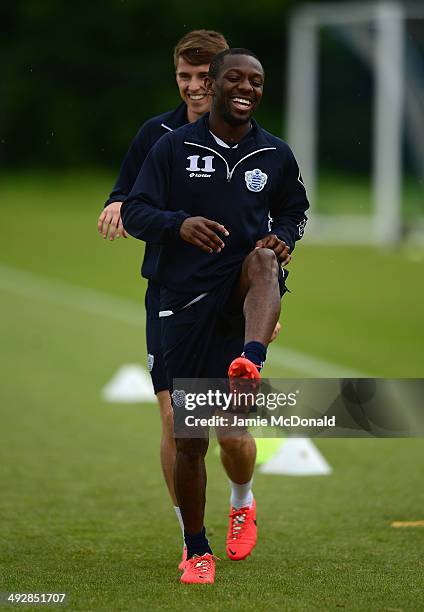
(241, 494)
(180, 519)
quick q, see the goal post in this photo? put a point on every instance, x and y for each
(386, 60)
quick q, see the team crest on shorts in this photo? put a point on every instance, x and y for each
(255, 179)
(178, 397)
(150, 362)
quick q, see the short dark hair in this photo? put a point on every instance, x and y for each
(218, 60)
(199, 47)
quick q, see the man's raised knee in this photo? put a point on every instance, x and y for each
(262, 262)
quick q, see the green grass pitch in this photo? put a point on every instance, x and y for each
(83, 508)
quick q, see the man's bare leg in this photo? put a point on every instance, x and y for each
(259, 291)
(168, 451)
(190, 487)
(167, 443)
(238, 456)
(259, 295)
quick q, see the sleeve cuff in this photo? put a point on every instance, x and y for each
(179, 220)
(117, 198)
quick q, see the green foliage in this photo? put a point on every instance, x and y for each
(79, 78)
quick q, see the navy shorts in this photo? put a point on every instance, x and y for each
(201, 341)
(155, 361)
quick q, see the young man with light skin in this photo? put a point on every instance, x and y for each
(192, 56)
(206, 193)
(190, 78)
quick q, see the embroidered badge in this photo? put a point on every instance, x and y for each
(178, 398)
(301, 228)
(255, 179)
(150, 362)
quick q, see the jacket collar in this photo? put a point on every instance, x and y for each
(255, 138)
(177, 118)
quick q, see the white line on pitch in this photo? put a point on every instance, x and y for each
(92, 301)
(310, 365)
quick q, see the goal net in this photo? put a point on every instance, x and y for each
(355, 118)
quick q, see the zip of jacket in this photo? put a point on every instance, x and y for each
(229, 172)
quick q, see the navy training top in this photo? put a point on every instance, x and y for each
(188, 174)
(146, 137)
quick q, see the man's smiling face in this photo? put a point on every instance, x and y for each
(191, 83)
(238, 88)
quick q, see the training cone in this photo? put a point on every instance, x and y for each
(296, 457)
(131, 384)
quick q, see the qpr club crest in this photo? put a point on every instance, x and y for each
(178, 398)
(255, 179)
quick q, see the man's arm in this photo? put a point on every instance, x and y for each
(110, 218)
(290, 205)
(145, 213)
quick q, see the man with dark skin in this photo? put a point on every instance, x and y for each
(240, 270)
(230, 121)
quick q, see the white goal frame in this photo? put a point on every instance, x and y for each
(387, 17)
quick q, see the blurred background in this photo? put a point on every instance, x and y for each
(345, 87)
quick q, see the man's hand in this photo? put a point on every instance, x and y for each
(110, 221)
(203, 233)
(279, 247)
